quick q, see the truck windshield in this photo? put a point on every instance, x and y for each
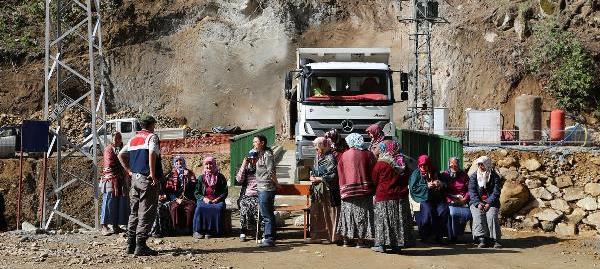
(348, 86)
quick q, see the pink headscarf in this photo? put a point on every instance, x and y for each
(210, 176)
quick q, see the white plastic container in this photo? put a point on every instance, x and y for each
(484, 126)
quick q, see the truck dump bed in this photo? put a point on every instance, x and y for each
(370, 55)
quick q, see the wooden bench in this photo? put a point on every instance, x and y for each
(296, 190)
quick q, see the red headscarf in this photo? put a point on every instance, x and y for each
(424, 160)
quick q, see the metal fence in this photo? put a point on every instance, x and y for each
(241, 144)
(439, 148)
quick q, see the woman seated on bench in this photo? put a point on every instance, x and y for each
(210, 193)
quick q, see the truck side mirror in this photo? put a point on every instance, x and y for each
(403, 86)
(287, 88)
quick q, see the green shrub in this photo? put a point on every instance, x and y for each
(559, 58)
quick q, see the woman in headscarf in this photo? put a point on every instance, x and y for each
(393, 219)
(457, 197)
(356, 189)
(115, 202)
(377, 136)
(484, 192)
(210, 194)
(248, 202)
(338, 144)
(325, 194)
(427, 190)
(179, 190)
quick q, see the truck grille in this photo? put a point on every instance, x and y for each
(345, 127)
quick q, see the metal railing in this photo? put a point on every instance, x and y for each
(578, 136)
(439, 147)
(241, 144)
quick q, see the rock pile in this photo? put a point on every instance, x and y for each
(555, 191)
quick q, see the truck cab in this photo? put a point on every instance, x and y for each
(347, 89)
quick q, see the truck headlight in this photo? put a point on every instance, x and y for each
(389, 129)
(309, 130)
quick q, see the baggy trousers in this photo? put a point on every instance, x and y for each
(143, 198)
(486, 224)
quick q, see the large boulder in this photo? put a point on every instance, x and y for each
(541, 193)
(564, 181)
(560, 205)
(573, 194)
(507, 162)
(592, 188)
(593, 219)
(550, 215)
(533, 183)
(588, 203)
(565, 229)
(513, 197)
(548, 226)
(577, 215)
(531, 164)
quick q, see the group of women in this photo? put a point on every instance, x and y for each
(361, 195)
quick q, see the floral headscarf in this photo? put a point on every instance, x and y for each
(210, 176)
(377, 133)
(355, 140)
(390, 153)
(323, 144)
(484, 177)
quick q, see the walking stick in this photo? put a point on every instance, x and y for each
(257, 223)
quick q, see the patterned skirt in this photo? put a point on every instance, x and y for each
(248, 212)
(393, 224)
(356, 218)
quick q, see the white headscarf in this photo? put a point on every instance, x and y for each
(484, 177)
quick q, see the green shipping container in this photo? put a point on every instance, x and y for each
(439, 147)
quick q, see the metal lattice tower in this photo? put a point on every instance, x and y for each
(70, 83)
(421, 112)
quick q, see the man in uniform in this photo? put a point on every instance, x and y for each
(140, 158)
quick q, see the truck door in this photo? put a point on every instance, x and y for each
(126, 129)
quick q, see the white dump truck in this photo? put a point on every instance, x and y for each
(347, 89)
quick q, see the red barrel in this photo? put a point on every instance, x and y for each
(557, 125)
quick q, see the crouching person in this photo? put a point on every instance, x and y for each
(484, 192)
(210, 193)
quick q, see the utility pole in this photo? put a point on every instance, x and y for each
(421, 109)
(69, 25)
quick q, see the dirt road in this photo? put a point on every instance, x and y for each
(522, 250)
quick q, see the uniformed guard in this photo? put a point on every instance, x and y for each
(141, 159)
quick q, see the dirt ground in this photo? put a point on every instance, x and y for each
(83, 250)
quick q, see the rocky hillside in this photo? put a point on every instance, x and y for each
(222, 62)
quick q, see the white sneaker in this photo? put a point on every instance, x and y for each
(243, 237)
